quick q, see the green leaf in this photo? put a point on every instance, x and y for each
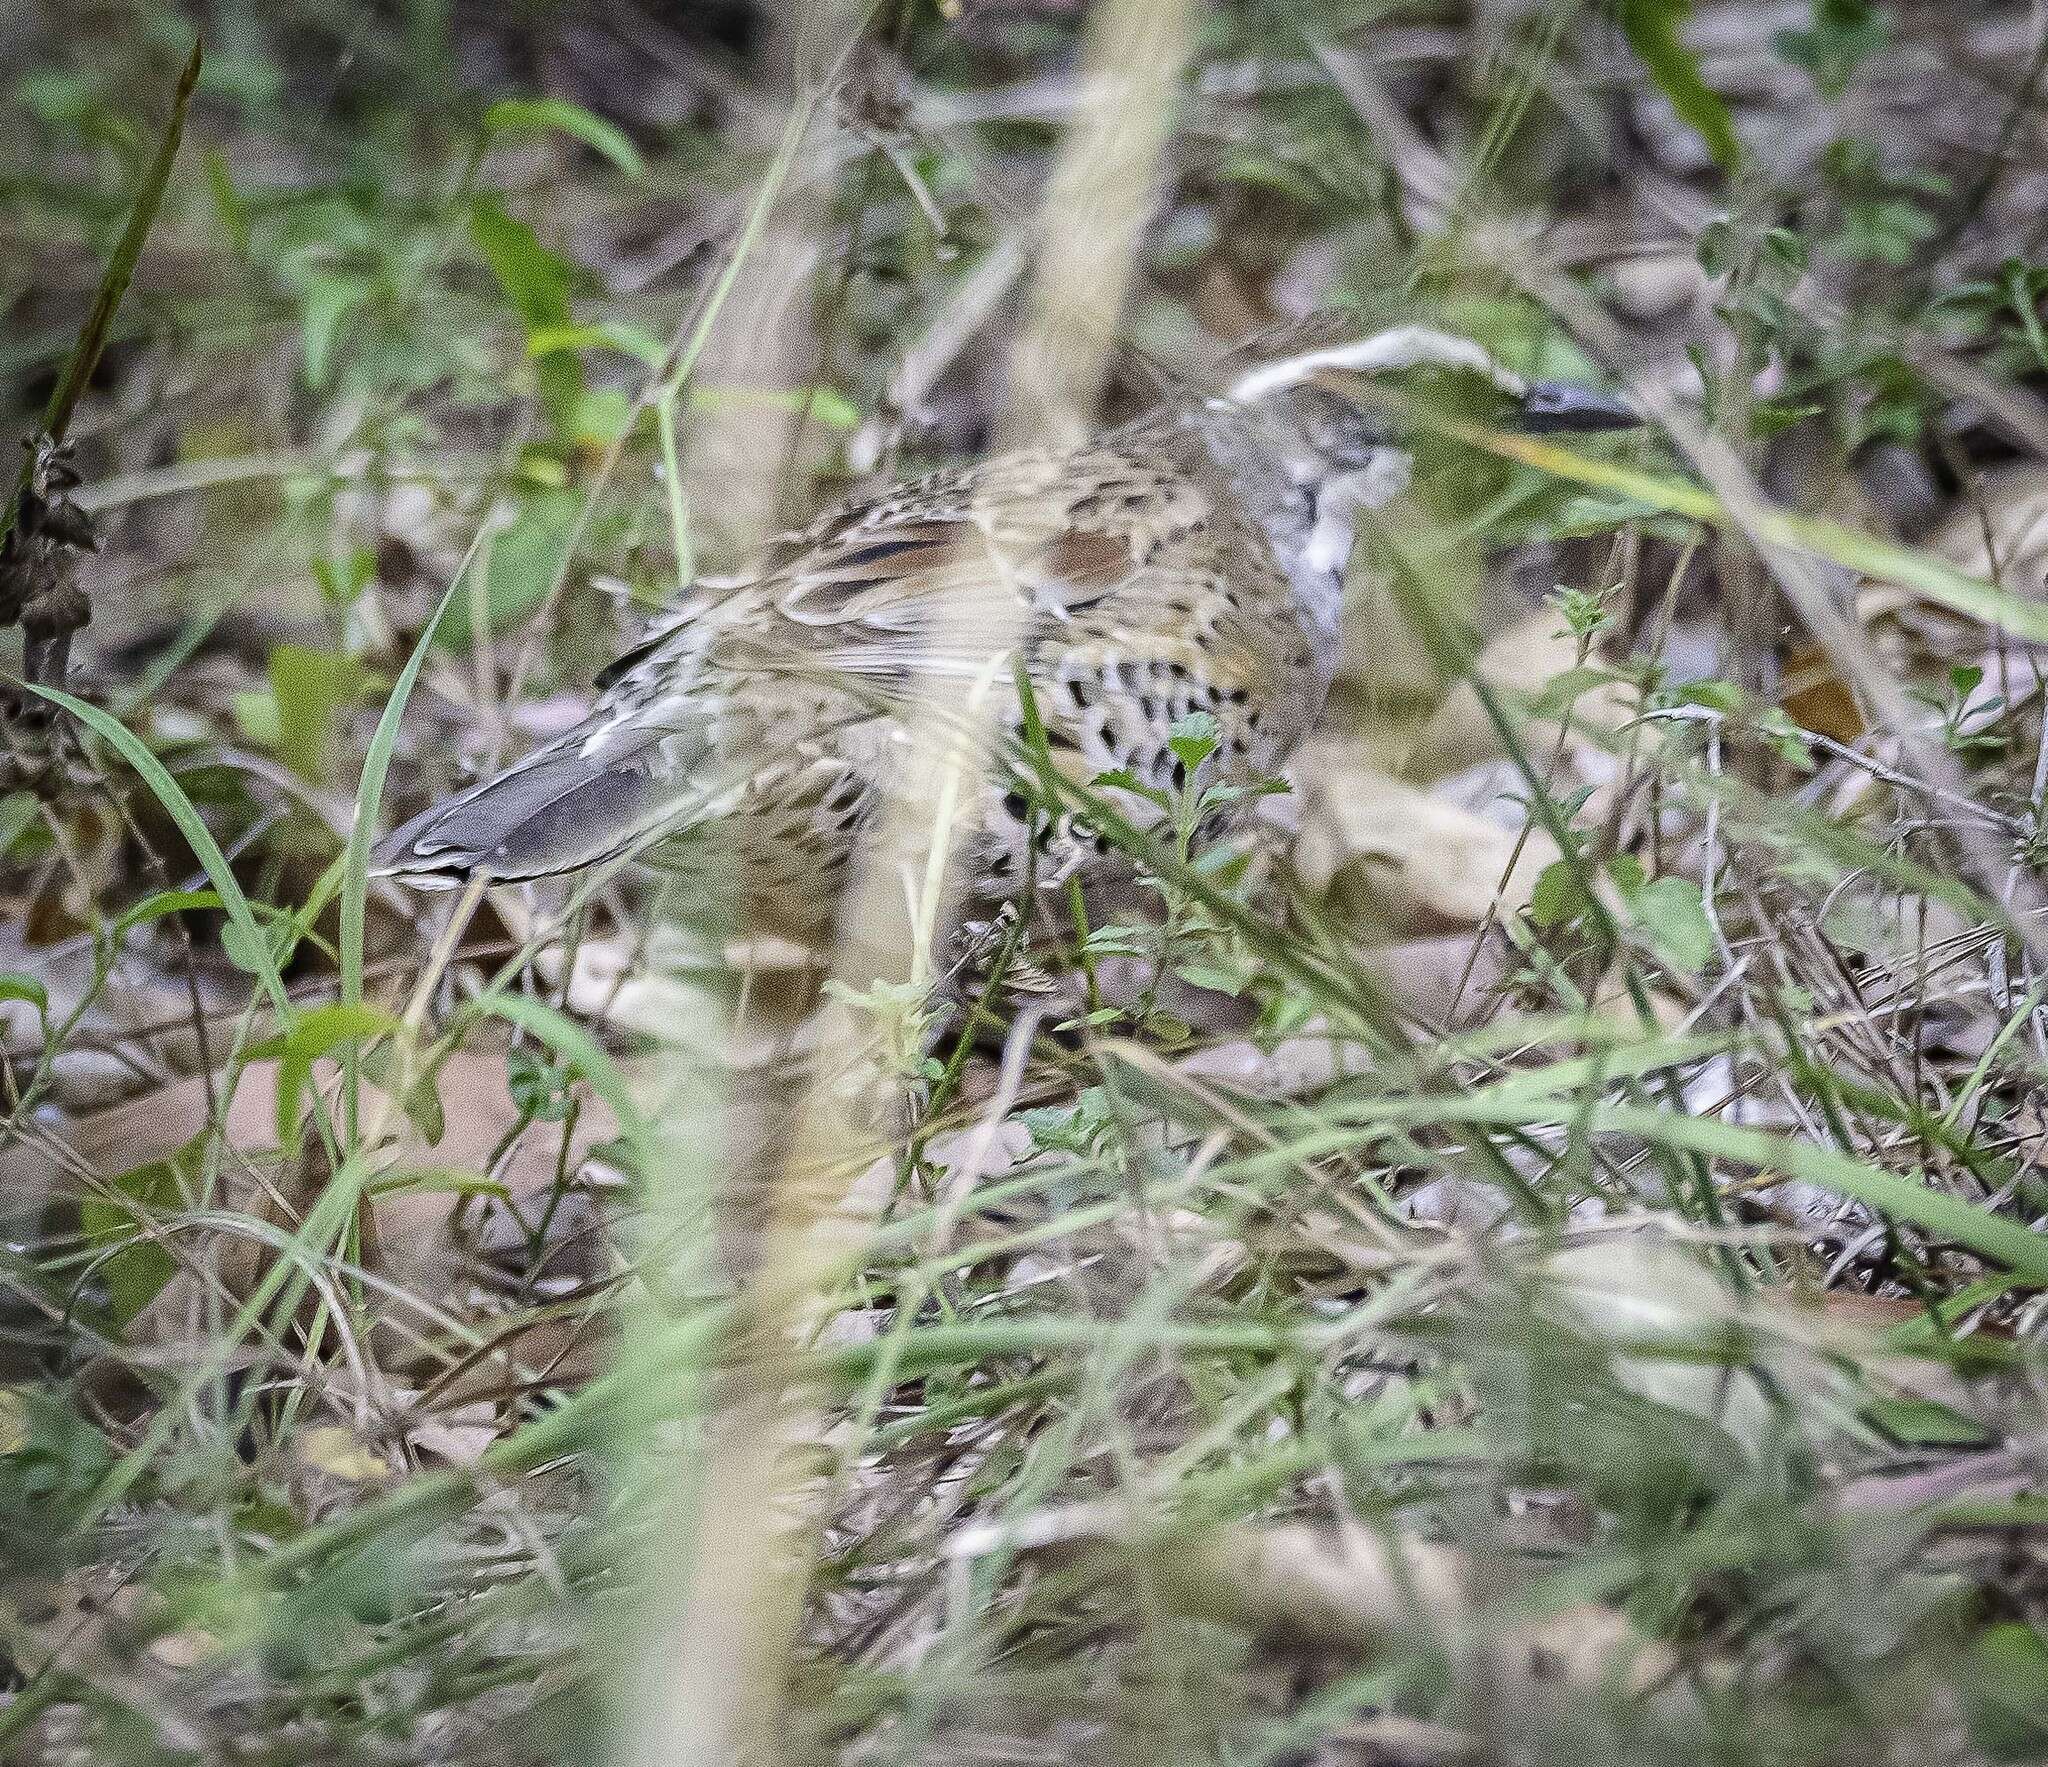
(1671, 911)
(819, 404)
(609, 334)
(1078, 1129)
(537, 283)
(310, 1035)
(535, 280)
(1885, 231)
(255, 710)
(1212, 976)
(525, 562)
(343, 581)
(227, 202)
(253, 81)
(1652, 28)
(580, 1051)
(2008, 1686)
(15, 986)
(157, 906)
(1120, 779)
(1562, 691)
(17, 813)
(312, 688)
(1926, 1423)
(2020, 284)
(1715, 695)
(600, 416)
(421, 1097)
(539, 1088)
(327, 301)
(319, 1029)
(832, 408)
(1844, 34)
(53, 1455)
(1194, 739)
(56, 96)
(265, 948)
(138, 1268)
(1558, 896)
(532, 116)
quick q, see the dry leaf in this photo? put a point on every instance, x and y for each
(415, 1240)
(1816, 698)
(337, 1452)
(1353, 1589)
(1518, 664)
(2000, 532)
(1399, 860)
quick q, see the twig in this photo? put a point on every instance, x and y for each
(92, 339)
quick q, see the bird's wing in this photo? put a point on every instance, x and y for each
(922, 583)
(754, 684)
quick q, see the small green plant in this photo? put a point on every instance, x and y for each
(1973, 725)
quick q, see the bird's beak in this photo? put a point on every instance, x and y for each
(1557, 407)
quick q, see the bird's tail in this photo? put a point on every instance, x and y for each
(563, 807)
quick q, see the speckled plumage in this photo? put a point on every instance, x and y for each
(1192, 561)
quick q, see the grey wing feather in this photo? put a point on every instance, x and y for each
(561, 808)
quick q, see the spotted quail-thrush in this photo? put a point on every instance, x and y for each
(1190, 561)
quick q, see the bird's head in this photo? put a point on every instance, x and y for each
(1351, 393)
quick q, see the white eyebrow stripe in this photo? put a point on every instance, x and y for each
(1406, 346)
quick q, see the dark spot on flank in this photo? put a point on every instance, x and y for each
(1017, 804)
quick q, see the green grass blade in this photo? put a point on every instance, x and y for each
(355, 859)
(1907, 566)
(191, 825)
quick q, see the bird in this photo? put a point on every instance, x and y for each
(1189, 561)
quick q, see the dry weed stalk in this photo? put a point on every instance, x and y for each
(712, 1691)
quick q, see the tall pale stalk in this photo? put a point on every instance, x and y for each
(713, 1679)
